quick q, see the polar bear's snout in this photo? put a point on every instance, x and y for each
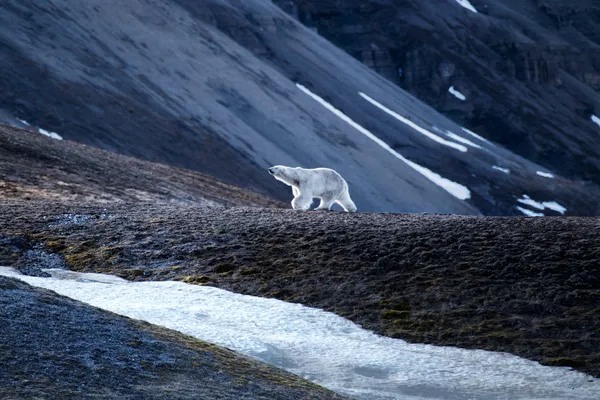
(272, 171)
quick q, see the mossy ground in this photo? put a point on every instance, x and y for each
(526, 286)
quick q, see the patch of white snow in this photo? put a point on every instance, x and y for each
(477, 136)
(467, 4)
(529, 212)
(321, 346)
(595, 119)
(416, 127)
(530, 202)
(505, 170)
(457, 190)
(457, 94)
(551, 205)
(461, 139)
(545, 174)
(53, 135)
(23, 122)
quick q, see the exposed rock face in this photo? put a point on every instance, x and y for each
(530, 69)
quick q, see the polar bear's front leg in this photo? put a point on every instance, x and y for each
(302, 201)
(295, 190)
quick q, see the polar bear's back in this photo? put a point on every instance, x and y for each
(326, 179)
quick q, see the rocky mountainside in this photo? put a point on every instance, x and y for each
(33, 166)
(212, 86)
(53, 347)
(529, 69)
(528, 286)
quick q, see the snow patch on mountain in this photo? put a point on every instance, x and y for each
(505, 170)
(461, 139)
(551, 205)
(457, 190)
(530, 213)
(320, 346)
(595, 119)
(476, 136)
(545, 174)
(467, 4)
(457, 94)
(416, 127)
(53, 135)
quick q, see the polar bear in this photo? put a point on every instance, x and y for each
(324, 183)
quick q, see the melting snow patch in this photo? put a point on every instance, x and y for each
(595, 119)
(467, 4)
(477, 136)
(457, 94)
(53, 135)
(551, 205)
(461, 139)
(505, 170)
(530, 202)
(457, 190)
(529, 212)
(416, 127)
(321, 346)
(545, 174)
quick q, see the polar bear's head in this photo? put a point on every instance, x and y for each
(284, 174)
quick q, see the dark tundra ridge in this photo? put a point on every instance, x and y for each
(211, 86)
(530, 69)
(528, 286)
(52, 347)
(33, 166)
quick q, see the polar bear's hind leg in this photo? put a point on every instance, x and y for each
(346, 202)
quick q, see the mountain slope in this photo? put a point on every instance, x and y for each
(54, 347)
(529, 69)
(528, 286)
(211, 86)
(36, 167)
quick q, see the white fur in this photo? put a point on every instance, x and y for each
(323, 183)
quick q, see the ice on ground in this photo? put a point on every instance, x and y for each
(23, 122)
(529, 212)
(551, 205)
(416, 127)
(467, 4)
(545, 174)
(476, 136)
(595, 119)
(457, 190)
(505, 170)
(457, 94)
(321, 346)
(53, 135)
